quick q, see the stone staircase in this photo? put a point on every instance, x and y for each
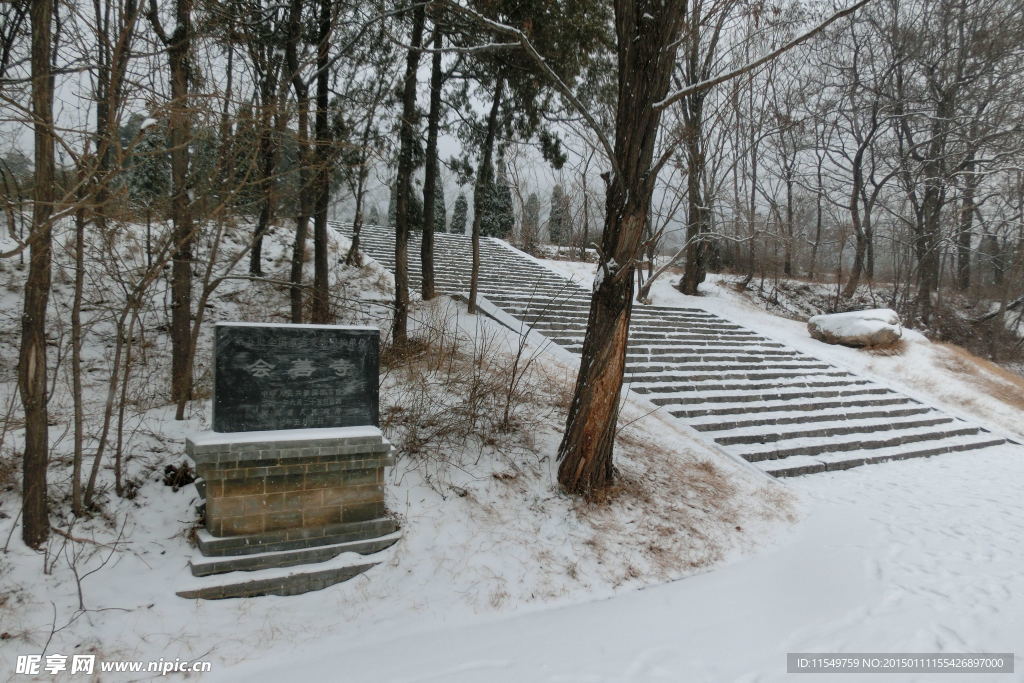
(229, 568)
(787, 412)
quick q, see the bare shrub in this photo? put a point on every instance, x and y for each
(449, 392)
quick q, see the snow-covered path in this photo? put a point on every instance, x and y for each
(914, 556)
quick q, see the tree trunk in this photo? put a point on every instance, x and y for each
(965, 234)
(183, 233)
(482, 189)
(321, 313)
(32, 367)
(403, 184)
(76, 356)
(860, 248)
(430, 177)
(646, 35)
(305, 160)
(695, 270)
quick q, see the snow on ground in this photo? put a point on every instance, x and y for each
(690, 572)
(486, 534)
(914, 556)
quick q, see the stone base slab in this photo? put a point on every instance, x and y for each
(268, 483)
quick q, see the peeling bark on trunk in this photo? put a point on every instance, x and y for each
(646, 34)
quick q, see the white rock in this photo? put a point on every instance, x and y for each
(874, 327)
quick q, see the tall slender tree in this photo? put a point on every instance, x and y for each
(32, 364)
(178, 43)
(403, 184)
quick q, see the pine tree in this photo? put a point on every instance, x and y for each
(415, 210)
(559, 229)
(531, 222)
(459, 215)
(440, 211)
(505, 216)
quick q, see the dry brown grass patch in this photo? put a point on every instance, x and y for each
(997, 382)
(897, 348)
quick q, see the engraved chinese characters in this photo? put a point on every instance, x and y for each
(294, 377)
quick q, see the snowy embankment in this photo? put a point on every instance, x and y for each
(486, 534)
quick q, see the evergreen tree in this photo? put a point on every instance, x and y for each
(415, 210)
(440, 211)
(374, 217)
(559, 229)
(496, 213)
(149, 175)
(505, 215)
(531, 221)
(459, 215)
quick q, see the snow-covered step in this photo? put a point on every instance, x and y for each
(843, 427)
(681, 375)
(207, 566)
(788, 417)
(801, 465)
(696, 410)
(817, 445)
(278, 580)
(749, 392)
(657, 388)
(683, 397)
(662, 366)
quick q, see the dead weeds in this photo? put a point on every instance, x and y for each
(995, 381)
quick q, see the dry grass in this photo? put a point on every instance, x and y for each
(896, 348)
(678, 510)
(997, 382)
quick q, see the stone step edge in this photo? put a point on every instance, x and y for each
(276, 581)
(833, 466)
(209, 566)
(293, 539)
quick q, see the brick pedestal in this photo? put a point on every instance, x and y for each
(293, 485)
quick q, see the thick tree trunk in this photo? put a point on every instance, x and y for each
(32, 365)
(430, 177)
(647, 34)
(321, 312)
(482, 188)
(403, 184)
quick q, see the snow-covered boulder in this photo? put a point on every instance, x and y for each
(874, 327)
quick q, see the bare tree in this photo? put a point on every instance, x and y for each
(32, 362)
